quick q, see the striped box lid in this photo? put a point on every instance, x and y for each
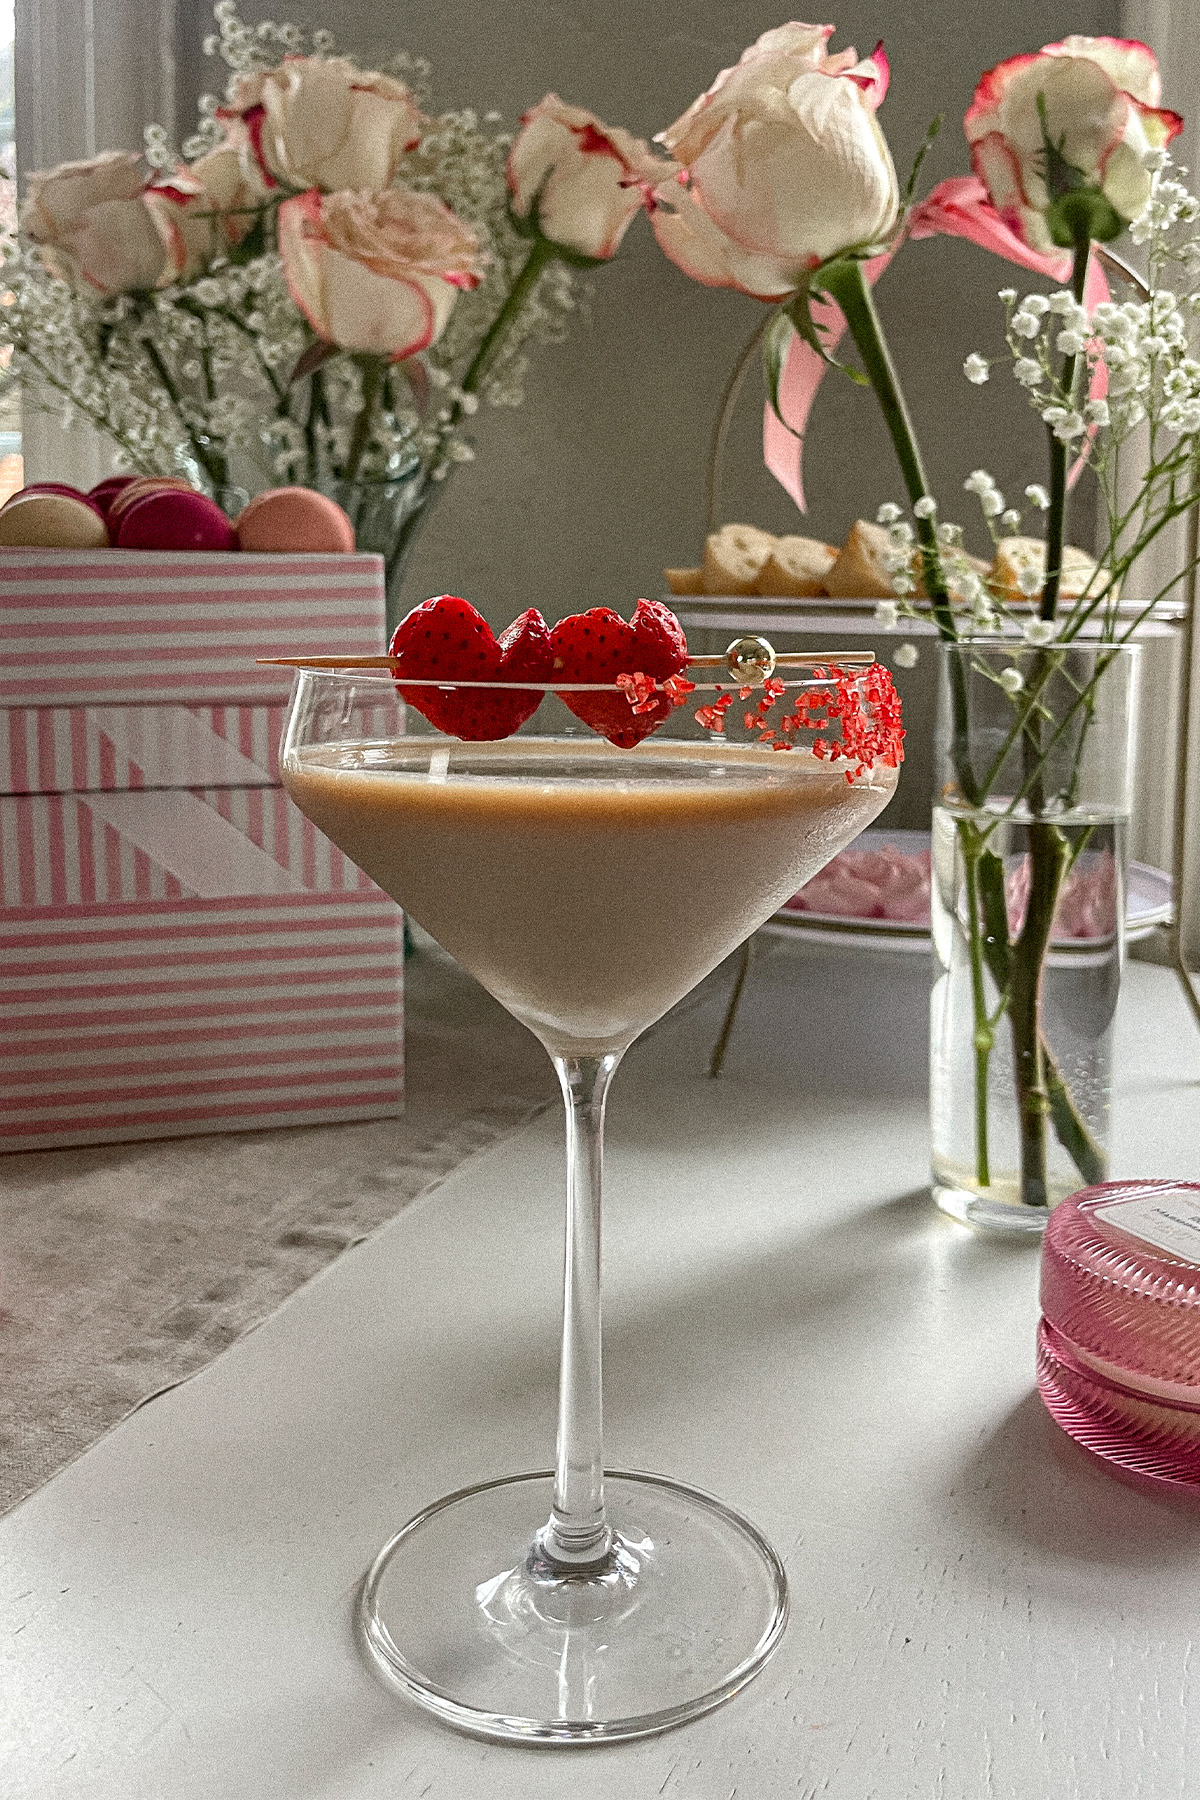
(101, 627)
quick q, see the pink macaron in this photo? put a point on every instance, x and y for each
(106, 491)
(52, 517)
(138, 489)
(294, 518)
(172, 519)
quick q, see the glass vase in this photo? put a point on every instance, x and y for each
(387, 514)
(1033, 760)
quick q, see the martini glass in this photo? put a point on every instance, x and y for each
(588, 888)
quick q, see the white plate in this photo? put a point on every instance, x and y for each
(1147, 905)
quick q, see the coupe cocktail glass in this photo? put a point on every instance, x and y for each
(588, 888)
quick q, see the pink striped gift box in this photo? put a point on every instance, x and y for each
(159, 1017)
(181, 950)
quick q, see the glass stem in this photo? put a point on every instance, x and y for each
(577, 1534)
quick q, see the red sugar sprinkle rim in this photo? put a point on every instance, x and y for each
(865, 708)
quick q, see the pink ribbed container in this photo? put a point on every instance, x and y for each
(1119, 1341)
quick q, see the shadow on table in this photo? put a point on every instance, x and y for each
(1028, 1484)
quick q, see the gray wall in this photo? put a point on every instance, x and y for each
(582, 496)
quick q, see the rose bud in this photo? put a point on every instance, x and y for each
(785, 165)
(576, 181)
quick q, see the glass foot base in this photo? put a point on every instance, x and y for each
(1004, 1218)
(460, 1613)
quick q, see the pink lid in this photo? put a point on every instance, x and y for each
(173, 520)
(1121, 1283)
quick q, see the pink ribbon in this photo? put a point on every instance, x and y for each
(959, 207)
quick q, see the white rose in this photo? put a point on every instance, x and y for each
(578, 181)
(376, 272)
(322, 122)
(1101, 115)
(785, 165)
(99, 225)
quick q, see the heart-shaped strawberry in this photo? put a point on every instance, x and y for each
(599, 645)
(446, 639)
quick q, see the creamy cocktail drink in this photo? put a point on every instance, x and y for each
(587, 888)
(589, 874)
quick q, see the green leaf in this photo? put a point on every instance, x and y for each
(801, 315)
(799, 311)
(310, 360)
(1078, 212)
(524, 224)
(530, 227)
(911, 185)
(253, 245)
(777, 341)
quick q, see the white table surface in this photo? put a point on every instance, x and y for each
(978, 1610)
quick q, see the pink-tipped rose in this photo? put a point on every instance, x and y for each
(1069, 127)
(376, 272)
(99, 224)
(320, 122)
(784, 165)
(230, 185)
(577, 181)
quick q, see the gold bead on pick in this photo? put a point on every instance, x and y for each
(750, 660)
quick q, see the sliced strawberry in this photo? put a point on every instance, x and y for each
(445, 639)
(599, 645)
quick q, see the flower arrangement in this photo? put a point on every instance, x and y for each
(787, 190)
(328, 283)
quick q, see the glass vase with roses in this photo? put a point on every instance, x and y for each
(327, 284)
(787, 191)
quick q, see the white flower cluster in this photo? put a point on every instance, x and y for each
(1131, 365)
(1145, 346)
(248, 48)
(1094, 379)
(1170, 204)
(969, 592)
(1141, 346)
(980, 606)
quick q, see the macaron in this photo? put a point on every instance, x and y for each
(138, 490)
(106, 491)
(52, 487)
(171, 519)
(52, 520)
(294, 518)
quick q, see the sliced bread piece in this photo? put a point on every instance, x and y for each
(860, 572)
(734, 558)
(684, 581)
(797, 566)
(1015, 555)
